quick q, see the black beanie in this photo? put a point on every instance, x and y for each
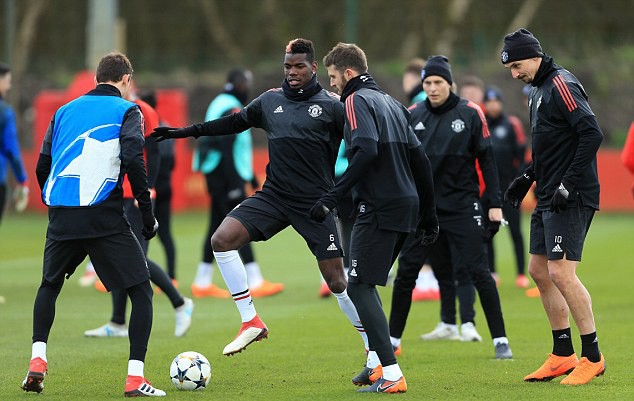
(437, 65)
(520, 45)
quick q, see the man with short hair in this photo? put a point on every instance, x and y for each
(392, 189)
(454, 134)
(565, 139)
(509, 146)
(89, 145)
(304, 125)
(183, 307)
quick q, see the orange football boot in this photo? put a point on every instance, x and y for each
(209, 291)
(266, 289)
(554, 366)
(34, 380)
(585, 371)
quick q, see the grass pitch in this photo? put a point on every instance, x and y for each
(312, 351)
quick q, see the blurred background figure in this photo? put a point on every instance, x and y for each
(10, 151)
(472, 88)
(509, 146)
(426, 288)
(412, 85)
(163, 201)
(627, 154)
(183, 307)
(227, 163)
(346, 212)
(10, 148)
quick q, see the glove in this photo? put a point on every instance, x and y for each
(560, 199)
(319, 211)
(150, 227)
(427, 230)
(163, 133)
(518, 190)
(489, 232)
(21, 197)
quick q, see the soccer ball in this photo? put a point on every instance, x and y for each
(190, 371)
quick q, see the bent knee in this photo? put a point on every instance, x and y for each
(337, 285)
(219, 242)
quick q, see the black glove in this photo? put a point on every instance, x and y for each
(560, 199)
(489, 232)
(427, 230)
(163, 133)
(150, 227)
(518, 190)
(319, 211)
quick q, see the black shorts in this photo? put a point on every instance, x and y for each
(372, 250)
(558, 234)
(118, 259)
(264, 215)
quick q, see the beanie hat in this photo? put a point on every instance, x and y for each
(520, 45)
(437, 65)
(492, 93)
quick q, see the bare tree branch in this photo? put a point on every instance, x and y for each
(524, 15)
(456, 15)
(218, 32)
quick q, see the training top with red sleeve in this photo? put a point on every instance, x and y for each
(151, 150)
(565, 137)
(455, 135)
(385, 157)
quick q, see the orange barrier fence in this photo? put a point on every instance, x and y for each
(189, 191)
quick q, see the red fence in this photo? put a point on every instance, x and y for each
(189, 188)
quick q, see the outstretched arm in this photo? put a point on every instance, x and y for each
(228, 125)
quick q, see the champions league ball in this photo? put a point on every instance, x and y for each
(190, 371)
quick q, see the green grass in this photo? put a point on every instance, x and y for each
(312, 351)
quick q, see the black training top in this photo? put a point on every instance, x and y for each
(455, 135)
(565, 137)
(303, 140)
(509, 145)
(381, 146)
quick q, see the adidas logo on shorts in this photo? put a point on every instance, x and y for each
(557, 248)
(332, 247)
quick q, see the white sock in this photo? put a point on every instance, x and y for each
(135, 368)
(500, 340)
(254, 275)
(346, 305)
(232, 270)
(392, 372)
(38, 350)
(373, 360)
(395, 341)
(90, 268)
(203, 274)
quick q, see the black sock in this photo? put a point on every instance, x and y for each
(590, 347)
(562, 342)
